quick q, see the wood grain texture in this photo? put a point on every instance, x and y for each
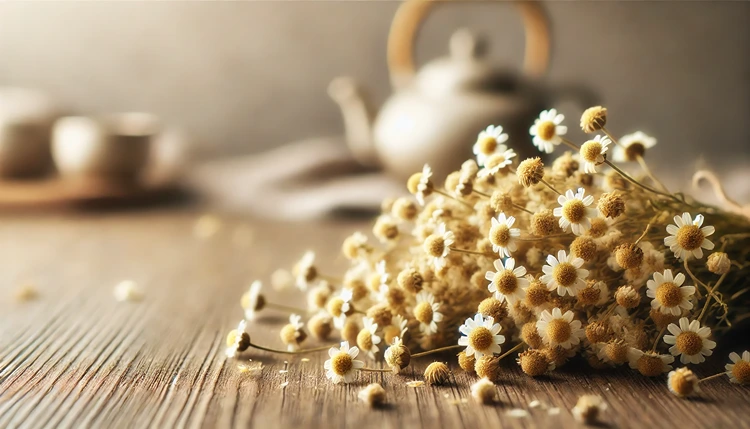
(76, 357)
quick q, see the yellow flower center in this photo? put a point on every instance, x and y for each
(506, 282)
(364, 340)
(650, 365)
(341, 363)
(689, 343)
(741, 372)
(423, 312)
(598, 227)
(480, 338)
(565, 274)
(334, 306)
(232, 337)
(434, 245)
(690, 237)
(500, 235)
(487, 145)
(559, 331)
(494, 160)
(589, 295)
(546, 130)
(536, 294)
(574, 210)
(635, 150)
(668, 294)
(591, 150)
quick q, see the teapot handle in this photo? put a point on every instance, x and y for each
(411, 14)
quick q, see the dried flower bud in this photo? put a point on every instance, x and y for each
(372, 395)
(718, 263)
(628, 256)
(565, 165)
(536, 294)
(613, 180)
(410, 280)
(597, 332)
(534, 362)
(494, 308)
(530, 172)
(291, 335)
(616, 351)
(466, 362)
(501, 202)
(484, 392)
(543, 223)
(683, 382)
(320, 326)
(584, 248)
(530, 335)
(351, 330)
(357, 286)
(452, 181)
(599, 227)
(627, 297)
(593, 119)
(380, 314)
(651, 364)
(487, 367)
(397, 356)
(611, 204)
(385, 229)
(589, 295)
(588, 409)
(405, 209)
(436, 373)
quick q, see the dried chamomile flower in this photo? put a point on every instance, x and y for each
(547, 130)
(404, 209)
(627, 297)
(611, 205)
(372, 395)
(558, 329)
(320, 326)
(543, 223)
(588, 409)
(565, 165)
(598, 332)
(599, 227)
(687, 238)
(339, 307)
(500, 201)
(535, 363)
(650, 364)
(385, 229)
(421, 185)
(718, 263)
(397, 356)
(536, 294)
(628, 256)
(564, 273)
(437, 245)
(426, 312)
(632, 146)
(481, 336)
(367, 339)
(397, 329)
(436, 373)
(508, 282)
(355, 246)
(484, 392)
(497, 162)
(305, 271)
(292, 334)
(593, 119)
(583, 247)
(342, 366)
(489, 142)
(739, 369)
(574, 211)
(502, 236)
(488, 366)
(466, 362)
(530, 172)
(669, 296)
(410, 280)
(690, 341)
(593, 153)
(614, 351)
(593, 294)
(237, 340)
(252, 301)
(350, 330)
(530, 335)
(493, 307)
(682, 382)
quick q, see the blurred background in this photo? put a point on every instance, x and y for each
(241, 78)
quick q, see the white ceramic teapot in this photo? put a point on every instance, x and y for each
(434, 115)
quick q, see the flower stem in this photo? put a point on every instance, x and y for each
(711, 377)
(447, 195)
(550, 186)
(627, 177)
(285, 308)
(648, 172)
(658, 337)
(438, 350)
(471, 252)
(375, 370)
(524, 209)
(287, 352)
(482, 194)
(645, 231)
(571, 144)
(516, 347)
(611, 137)
(708, 298)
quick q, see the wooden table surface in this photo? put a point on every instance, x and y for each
(76, 357)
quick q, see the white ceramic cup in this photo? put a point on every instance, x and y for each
(114, 146)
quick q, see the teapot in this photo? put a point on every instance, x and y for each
(434, 115)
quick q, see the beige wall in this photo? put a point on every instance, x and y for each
(248, 76)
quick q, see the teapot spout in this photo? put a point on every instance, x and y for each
(358, 117)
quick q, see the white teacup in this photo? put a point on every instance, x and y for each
(113, 147)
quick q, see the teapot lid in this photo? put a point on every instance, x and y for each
(463, 70)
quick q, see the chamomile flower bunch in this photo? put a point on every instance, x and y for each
(584, 255)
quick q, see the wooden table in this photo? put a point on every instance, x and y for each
(76, 357)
